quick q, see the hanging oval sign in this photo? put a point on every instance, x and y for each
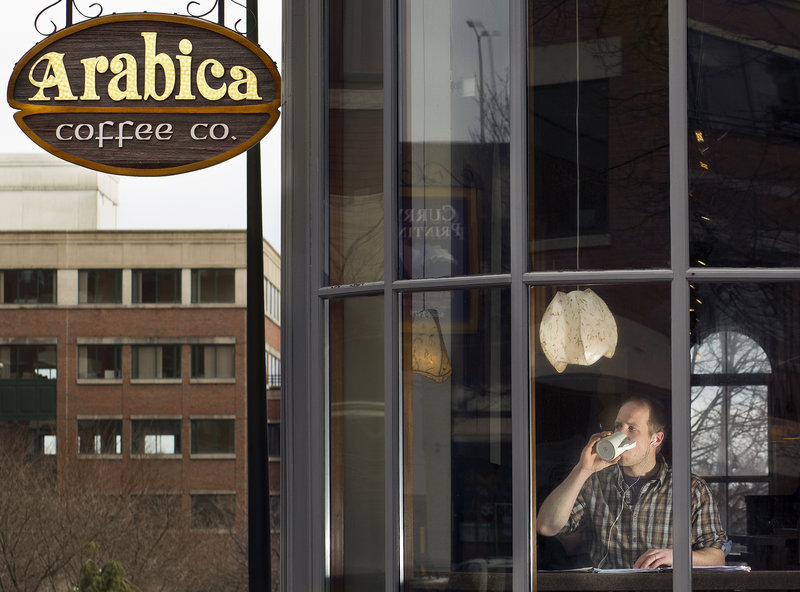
(145, 94)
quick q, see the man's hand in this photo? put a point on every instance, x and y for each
(590, 461)
(555, 510)
(653, 558)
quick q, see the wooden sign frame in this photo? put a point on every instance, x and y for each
(143, 97)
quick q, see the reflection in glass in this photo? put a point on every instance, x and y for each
(454, 194)
(744, 133)
(745, 420)
(598, 138)
(356, 444)
(457, 444)
(582, 400)
(355, 152)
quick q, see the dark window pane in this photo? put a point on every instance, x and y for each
(213, 436)
(100, 361)
(100, 286)
(453, 216)
(213, 511)
(456, 405)
(745, 425)
(355, 123)
(156, 436)
(744, 134)
(598, 144)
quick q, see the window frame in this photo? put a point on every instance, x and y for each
(141, 275)
(197, 351)
(161, 424)
(92, 279)
(44, 278)
(97, 349)
(197, 295)
(194, 427)
(159, 362)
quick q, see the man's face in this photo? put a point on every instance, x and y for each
(632, 420)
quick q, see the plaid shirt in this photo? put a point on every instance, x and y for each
(623, 531)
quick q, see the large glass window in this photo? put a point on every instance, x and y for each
(355, 155)
(155, 361)
(213, 285)
(156, 286)
(456, 413)
(213, 436)
(357, 444)
(100, 286)
(216, 511)
(213, 361)
(28, 361)
(744, 133)
(745, 425)
(100, 436)
(454, 134)
(155, 436)
(28, 286)
(100, 361)
(598, 154)
(576, 395)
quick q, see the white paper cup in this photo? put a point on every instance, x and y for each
(612, 446)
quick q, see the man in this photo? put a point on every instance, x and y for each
(627, 502)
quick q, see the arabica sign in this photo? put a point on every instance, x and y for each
(145, 94)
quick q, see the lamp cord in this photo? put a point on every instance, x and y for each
(577, 139)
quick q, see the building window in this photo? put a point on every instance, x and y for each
(730, 421)
(156, 286)
(213, 510)
(100, 286)
(161, 510)
(28, 361)
(213, 286)
(213, 436)
(28, 286)
(49, 445)
(156, 436)
(274, 439)
(272, 301)
(100, 361)
(213, 361)
(99, 436)
(273, 370)
(155, 361)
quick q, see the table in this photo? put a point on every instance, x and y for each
(706, 580)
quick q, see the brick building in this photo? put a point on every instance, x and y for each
(128, 348)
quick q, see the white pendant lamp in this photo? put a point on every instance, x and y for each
(577, 328)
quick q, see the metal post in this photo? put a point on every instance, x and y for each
(259, 548)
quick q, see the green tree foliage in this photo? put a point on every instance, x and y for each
(108, 578)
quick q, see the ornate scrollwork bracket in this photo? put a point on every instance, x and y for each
(70, 6)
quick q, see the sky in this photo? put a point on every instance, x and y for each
(211, 198)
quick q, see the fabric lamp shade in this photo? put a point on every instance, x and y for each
(577, 328)
(428, 353)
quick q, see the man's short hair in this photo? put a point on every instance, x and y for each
(657, 421)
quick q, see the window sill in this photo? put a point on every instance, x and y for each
(212, 380)
(213, 456)
(156, 380)
(90, 456)
(99, 381)
(178, 456)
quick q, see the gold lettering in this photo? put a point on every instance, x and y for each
(212, 94)
(151, 59)
(90, 66)
(128, 73)
(185, 62)
(54, 75)
(251, 90)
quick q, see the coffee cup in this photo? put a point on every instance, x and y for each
(612, 446)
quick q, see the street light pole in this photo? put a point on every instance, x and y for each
(474, 26)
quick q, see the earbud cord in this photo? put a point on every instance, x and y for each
(611, 528)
